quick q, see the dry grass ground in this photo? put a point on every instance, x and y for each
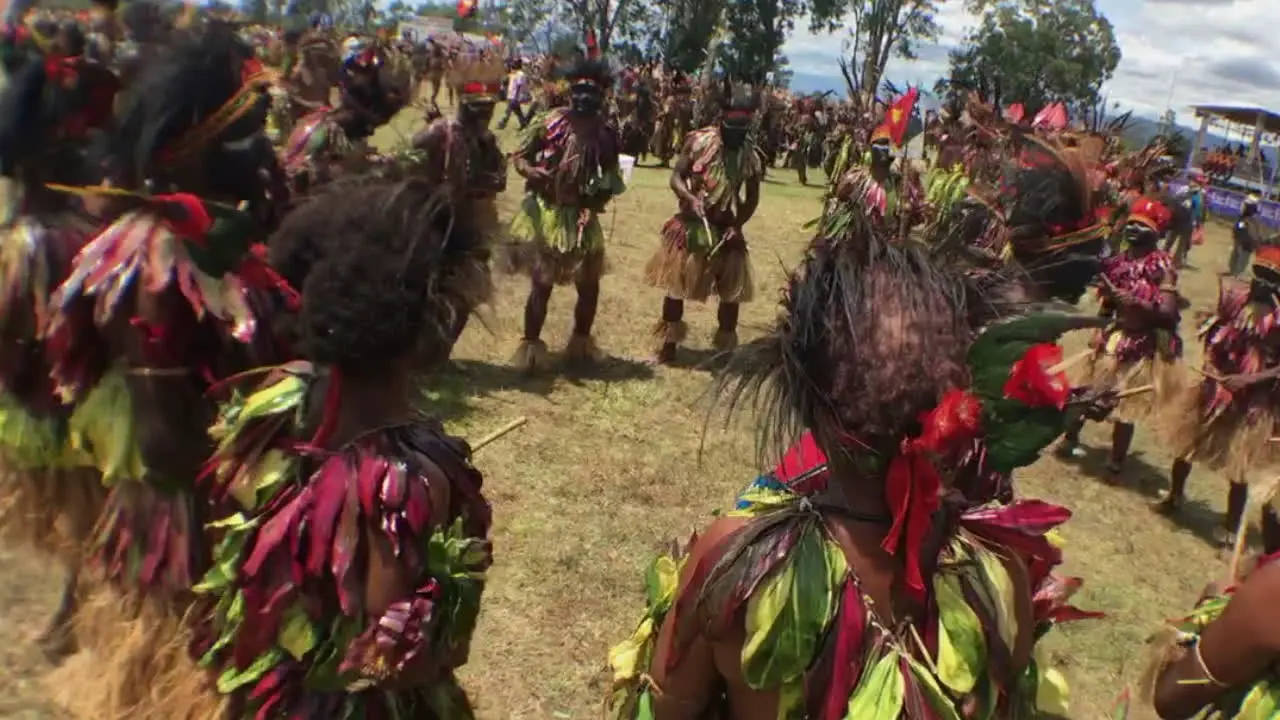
(608, 467)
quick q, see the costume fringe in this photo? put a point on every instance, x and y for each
(1234, 443)
(692, 275)
(134, 663)
(551, 266)
(1165, 375)
(51, 510)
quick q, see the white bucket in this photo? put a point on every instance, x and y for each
(627, 164)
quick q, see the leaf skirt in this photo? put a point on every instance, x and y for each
(1114, 364)
(685, 267)
(134, 660)
(49, 498)
(555, 244)
(1232, 438)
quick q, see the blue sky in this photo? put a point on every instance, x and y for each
(1208, 51)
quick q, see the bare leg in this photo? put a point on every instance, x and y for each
(1237, 498)
(1121, 441)
(727, 326)
(581, 348)
(532, 351)
(669, 330)
(58, 640)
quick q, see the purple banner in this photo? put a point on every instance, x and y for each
(1227, 204)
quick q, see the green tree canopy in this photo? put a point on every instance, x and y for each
(1037, 52)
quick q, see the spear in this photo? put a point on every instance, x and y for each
(496, 434)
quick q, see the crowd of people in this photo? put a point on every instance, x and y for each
(211, 343)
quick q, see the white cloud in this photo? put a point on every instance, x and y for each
(1207, 51)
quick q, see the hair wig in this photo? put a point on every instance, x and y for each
(384, 269)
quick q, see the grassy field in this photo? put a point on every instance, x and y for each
(609, 466)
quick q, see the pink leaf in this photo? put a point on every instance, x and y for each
(329, 486)
(829, 684)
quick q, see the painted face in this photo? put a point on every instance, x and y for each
(881, 153)
(734, 128)
(585, 98)
(479, 112)
(1140, 235)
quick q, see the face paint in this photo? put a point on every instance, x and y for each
(881, 154)
(1140, 235)
(585, 102)
(477, 113)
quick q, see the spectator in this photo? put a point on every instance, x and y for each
(517, 95)
(1188, 218)
(1247, 237)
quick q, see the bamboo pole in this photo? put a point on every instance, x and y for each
(496, 434)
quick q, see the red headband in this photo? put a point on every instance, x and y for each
(738, 114)
(479, 88)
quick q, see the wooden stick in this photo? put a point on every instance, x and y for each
(1208, 374)
(1130, 392)
(1070, 362)
(1237, 548)
(514, 424)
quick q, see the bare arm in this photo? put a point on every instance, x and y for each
(750, 201)
(684, 689)
(1236, 649)
(679, 184)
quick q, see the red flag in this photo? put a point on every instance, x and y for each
(1015, 113)
(466, 8)
(593, 47)
(896, 118)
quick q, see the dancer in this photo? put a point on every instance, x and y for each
(384, 527)
(49, 492)
(1141, 346)
(855, 593)
(162, 299)
(1229, 418)
(717, 185)
(569, 159)
(464, 154)
(1221, 658)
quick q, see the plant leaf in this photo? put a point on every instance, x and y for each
(787, 616)
(961, 646)
(993, 354)
(880, 694)
(297, 636)
(938, 699)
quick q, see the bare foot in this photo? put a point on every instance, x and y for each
(1168, 504)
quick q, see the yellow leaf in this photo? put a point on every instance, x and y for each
(880, 692)
(1051, 693)
(624, 657)
(296, 636)
(1000, 587)
(961, 646)
(934, 694)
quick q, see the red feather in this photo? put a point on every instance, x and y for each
(329, 487)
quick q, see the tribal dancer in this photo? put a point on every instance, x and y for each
(158, 303)
(1141, 346)
(876, 186)
(717, 184)
(50, 495)
(332, 142)
(383, 527)
(865, 589)
(569, 159)
(464, 155)
(1221, 660)
(1230, 417)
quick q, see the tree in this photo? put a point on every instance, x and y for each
(688, 29)
(603, 18)
(756, 30)
(531, 22)
(878, 30)
(1037, 52)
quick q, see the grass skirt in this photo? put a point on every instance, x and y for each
(684, 268)
(134, 662)
(51, 509)
(1165, 374)
(49, 498)
(1233, 442)
(554, 244)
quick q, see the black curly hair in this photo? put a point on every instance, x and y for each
(870, 334)
(384, 269)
